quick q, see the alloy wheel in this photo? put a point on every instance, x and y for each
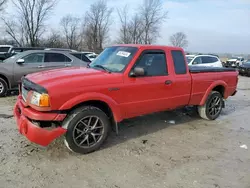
(1, 87)
(215, 106)
(88, 131)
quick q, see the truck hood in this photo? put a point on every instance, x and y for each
(80, 76)
(232, 60)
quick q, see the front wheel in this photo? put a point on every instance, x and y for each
(213, 106)
(87, 129)
(3, 87)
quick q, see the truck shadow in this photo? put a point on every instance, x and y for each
(148, 124)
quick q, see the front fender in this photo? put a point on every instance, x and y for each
(210, 88)
(94, 97)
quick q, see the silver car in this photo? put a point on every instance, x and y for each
(21, 64)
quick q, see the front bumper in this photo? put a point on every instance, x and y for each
(33, 132)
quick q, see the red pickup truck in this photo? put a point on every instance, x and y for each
(124, 81)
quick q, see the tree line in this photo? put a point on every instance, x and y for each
(91, 31)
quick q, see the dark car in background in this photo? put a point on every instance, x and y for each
(244, 69)
(19, 65)
(6, 51)
(81, 56)
(23, 49)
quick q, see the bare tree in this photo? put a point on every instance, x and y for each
(72, 31)
(54, 40)
(124, 32)
(179, 39)
(15, 31)
(30, 20)
(132, 29)
(2, 2)
(136, 29)
(153, 15)
(97, 24)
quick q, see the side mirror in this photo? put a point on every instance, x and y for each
(20, 61)
(195, 63)
(137, 71)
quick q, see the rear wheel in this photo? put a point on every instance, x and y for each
(3, 87)
(87, 129)
(213, 106)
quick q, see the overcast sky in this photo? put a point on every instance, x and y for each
(211, 25)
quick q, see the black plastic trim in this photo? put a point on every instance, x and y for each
(29, 85)
(201, 69)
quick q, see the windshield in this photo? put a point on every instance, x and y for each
(4, 49)
(115, 58)
(10, 59)
(189, 59)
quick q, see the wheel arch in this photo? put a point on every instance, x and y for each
(219, 86)
(5, 79)
(101, 101)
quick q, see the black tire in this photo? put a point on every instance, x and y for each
(76, 122)
(3, 87)
(206, 111)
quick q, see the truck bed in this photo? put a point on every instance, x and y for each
(200, 69)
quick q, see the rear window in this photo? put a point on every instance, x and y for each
(179, 62)
(81, 57)
(4, 49)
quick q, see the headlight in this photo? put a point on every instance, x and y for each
(38, 99)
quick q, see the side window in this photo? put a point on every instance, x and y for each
(84, 58)
(197, 60)
(34, 58)
(154, 63)
(213, 59)
(179, 62)
(206, 59)
(76, 55)
(56, 57)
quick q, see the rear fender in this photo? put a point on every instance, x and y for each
(96, 97)
(211, 87)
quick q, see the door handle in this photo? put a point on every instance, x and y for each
(168, 82)
(41, 66)
(67, 65)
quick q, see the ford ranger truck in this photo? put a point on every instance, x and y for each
(124, 81)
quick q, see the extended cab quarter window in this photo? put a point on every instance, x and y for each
(34, 58)
(154, 63)
(56, 57)
(179, 62)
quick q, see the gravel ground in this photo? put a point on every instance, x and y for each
(169, 149)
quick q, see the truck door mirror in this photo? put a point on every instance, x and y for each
(20, 61)
(137, 71)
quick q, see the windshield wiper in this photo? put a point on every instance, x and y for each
(102, 67)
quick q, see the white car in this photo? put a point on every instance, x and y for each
(235, 62)
(204, 60)
(90, 55)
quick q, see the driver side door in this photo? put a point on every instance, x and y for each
(33, 62)
(152, 91)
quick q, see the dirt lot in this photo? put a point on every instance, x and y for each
(169, 149)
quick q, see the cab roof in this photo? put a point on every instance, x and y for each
(149, 46)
